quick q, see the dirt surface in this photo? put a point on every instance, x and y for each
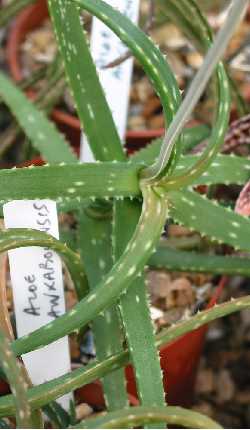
(223, 382)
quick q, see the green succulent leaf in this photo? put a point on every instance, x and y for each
(16, 380)
(84, 82)
(222, 102)
(70, 182)
(41, 132)
(188, 261)
(95, 248)
(21, 237)
(57, 415)
(148, 415)
(44, 393)
(209, 218)
(143, 49)
(136, 316)
(106, 146)
(74, 183)
(113, 285)
(225, 169)
(166, 85)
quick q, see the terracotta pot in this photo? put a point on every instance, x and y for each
(4, 388)
(29, 19)
(93, 395)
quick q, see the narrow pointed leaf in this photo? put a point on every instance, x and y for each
(70, 182)
(209, 218)
(117, 281)
(188, 261)
(96, 252)
(224, 169)
(136, 316)
(137, 416)
(148, 55)
(17, 383)
(91, 104)
(42, 133)
(44, 393)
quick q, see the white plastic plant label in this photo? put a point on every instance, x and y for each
(37, 282)
(105, 48)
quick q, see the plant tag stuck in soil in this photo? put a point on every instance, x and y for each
(37, 282)
(116, 81)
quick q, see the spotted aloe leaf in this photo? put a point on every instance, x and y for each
(117, 281)
(44, 393)
(84, 82)
(202, 318)
(223, 170)
(21, 237)
(137, 416)
(209, 218)
(17, 383)
(105, 146)
(135, 313)
(95, 247)
(185, 261)
(148, 55)
(70, 182)
(42, 133)
(158, 70)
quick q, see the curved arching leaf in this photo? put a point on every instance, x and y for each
(113, 284)
(22, 237)
(137, 416)
(222, 96)
(44, 393)
(148, 55)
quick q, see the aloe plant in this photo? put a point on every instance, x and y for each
(122, 205)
